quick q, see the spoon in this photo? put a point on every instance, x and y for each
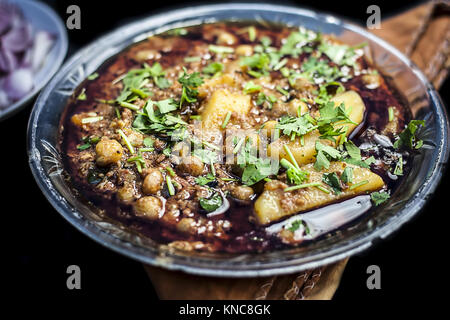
(323, 220)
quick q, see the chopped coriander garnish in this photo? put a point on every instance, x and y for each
(251, 87)
(255, 168)
(302, 186)
(407, 138)
(297, 126)
(280, 64)
(269, 100)
(129, 106)
(167, 151)
(170, 186)
(127, 142)
(93, 76)
(391, 113)
(332, 179)
(142, 94)
(379, 197)
(256, 64)
(204, 180)
(359, 184)
(84, 146)
(294, 175)
(226, 120)
(252, 33)
(192, 59)
(291, 156)
(295, 225)
(220, 49)
(170, 171)
(213, 68)
(148, 142)
(347, 175)
(282, 91)
(189, 82)
(82, 95)
(207, 156)
(91, 119)
(324, 154)
(228, 179)
(178, 32)
(212, 203)
(238, 145)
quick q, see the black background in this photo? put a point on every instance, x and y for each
(41, 244)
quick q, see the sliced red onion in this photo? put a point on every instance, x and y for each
(18, 83)
(22, 53)
(8, 60)
(43, 42)
(18, 38)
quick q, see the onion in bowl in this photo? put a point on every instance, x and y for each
(22, 53)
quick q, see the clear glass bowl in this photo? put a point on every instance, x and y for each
(409, 198)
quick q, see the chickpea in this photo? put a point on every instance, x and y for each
(76, 120)
(108, 151)
(226, 38)
(144, 55)
(244, 50)
(372, 81)
(126, 194)
(152, 181)
(303, 84)
(191, 165)
(186, 225)
(242, 192)
(148, 207)
(294, 105)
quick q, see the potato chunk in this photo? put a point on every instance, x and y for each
(306, 153)
(274, 203)
(210, 85)
(221, 102)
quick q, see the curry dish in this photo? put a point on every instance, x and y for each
(202, 137)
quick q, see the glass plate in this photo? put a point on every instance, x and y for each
(411, 195)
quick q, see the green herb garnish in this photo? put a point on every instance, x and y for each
(407, 138)
(379, 197)
(212, 203)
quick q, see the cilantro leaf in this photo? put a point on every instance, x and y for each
(379, 197)
(347, 175)
(251, 87)
(256, 64)
(294, 44)
(213, 68)
(407, 138)
(204, 180)
(207, 156)
(189, 82)
(353, 151)
(298, 125)
(324, 155)
(212, 203)
(332, 179)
